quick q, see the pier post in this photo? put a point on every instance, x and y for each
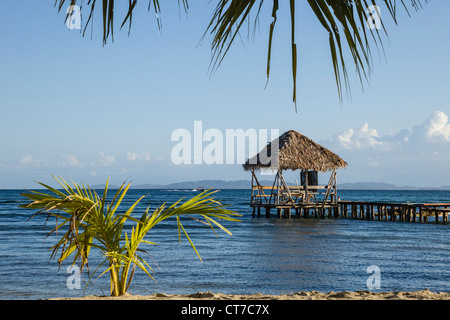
(267, 212)
(287, 213)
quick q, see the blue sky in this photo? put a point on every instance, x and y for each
(72, 107)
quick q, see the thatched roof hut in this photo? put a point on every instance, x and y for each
(296, 152)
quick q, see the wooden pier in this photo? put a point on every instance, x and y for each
(378, 211)
(295, 152)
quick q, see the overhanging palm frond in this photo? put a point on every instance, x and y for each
(344, 20)
(108, 10)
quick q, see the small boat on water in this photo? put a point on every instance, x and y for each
(199, 189)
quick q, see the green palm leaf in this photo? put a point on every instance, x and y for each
(344, 20)
(91, 222)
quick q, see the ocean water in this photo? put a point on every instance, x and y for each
(263, 255)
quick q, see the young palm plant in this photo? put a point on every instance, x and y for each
(88, 221)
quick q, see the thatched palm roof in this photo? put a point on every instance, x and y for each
(297, 152)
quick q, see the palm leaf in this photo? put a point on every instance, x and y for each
(339, 18)
(345, 22)
(92, 223)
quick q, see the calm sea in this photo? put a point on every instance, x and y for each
(263, 256)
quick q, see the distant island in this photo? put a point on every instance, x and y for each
(246, 184)
(384, 186)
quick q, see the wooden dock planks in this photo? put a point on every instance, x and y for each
(380, 211)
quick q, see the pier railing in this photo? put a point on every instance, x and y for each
(293, 196)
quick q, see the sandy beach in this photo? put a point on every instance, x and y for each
(310, 295)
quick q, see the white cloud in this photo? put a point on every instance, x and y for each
(359, 139)
(417, 156)
(29, 162)
(437, 127)
(70, 161)
(145, 156)
(426, 137)
(132, 156)
(345, 139)
(106, 160)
